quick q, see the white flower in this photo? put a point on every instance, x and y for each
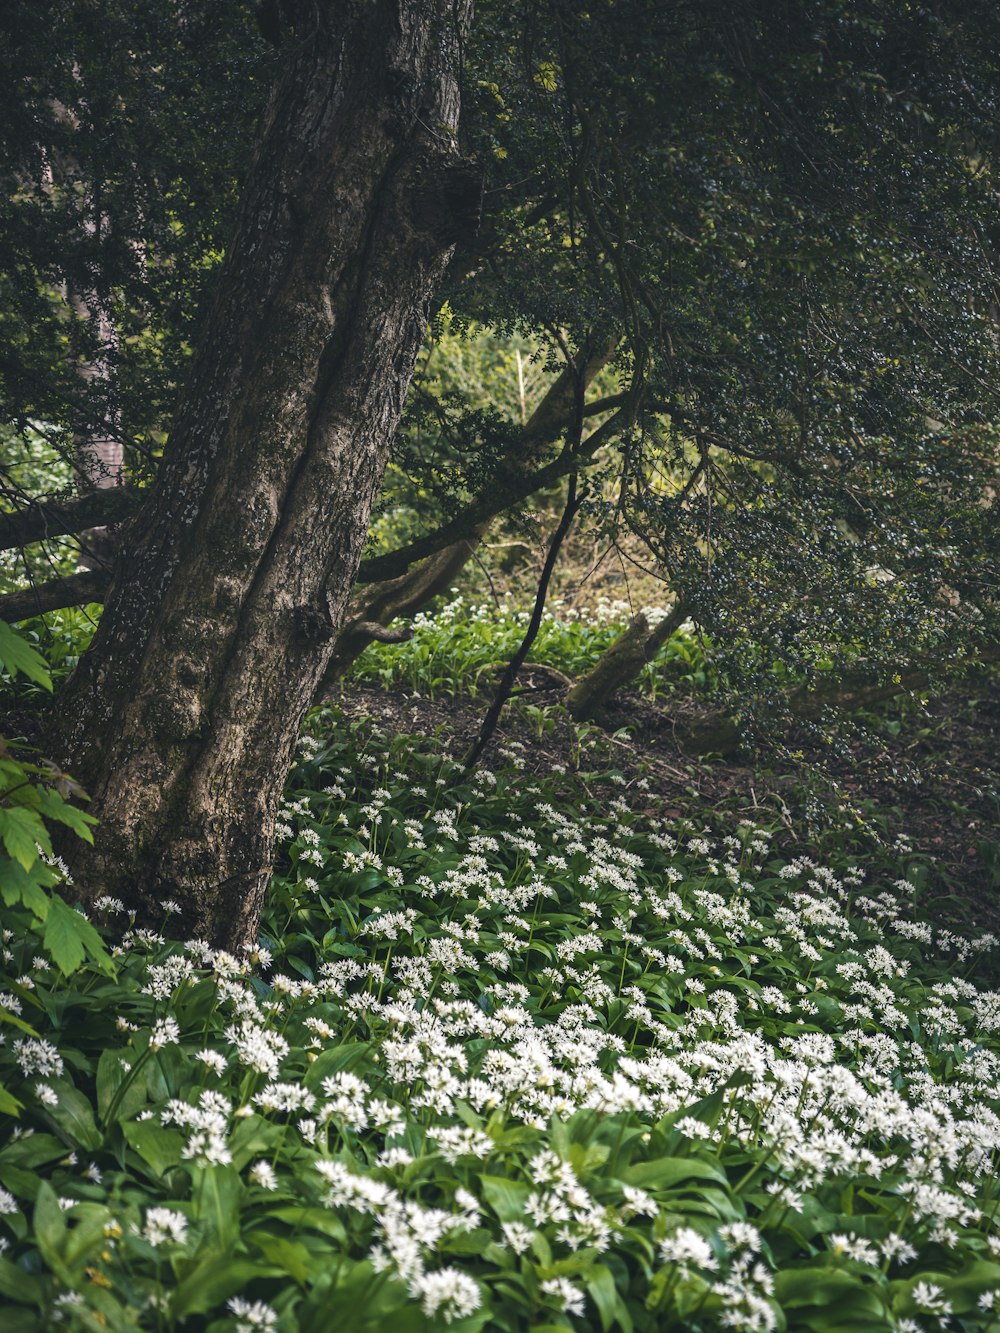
(37, 1057)
(570, 1299)
(448, 1293)
(214, 1060)
(517, 1236)
(263, 1174)
(165, 1225)
(686, 1247)
(252, 1315)
(166, 1032)
(930, 1298)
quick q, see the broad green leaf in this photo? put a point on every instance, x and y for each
(111, 1074)
(19, 1286)
(34, 1150)
(289, 1255)
(218, 1192)
(9, 1105)
(666, 1172)
(7, 1017)
(17, 655)
(86, 1237)
(254, 1137)
(49, 1226)
(337, 1060)
(18, 885)
(20, 830)
(52, 806)
(612, 1309)
(506, 1197)
(69, 938)
(161, 1148)
(73, 1117)
(217, 1277)
(830, 1288)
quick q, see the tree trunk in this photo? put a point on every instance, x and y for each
(636, 646)
(232, 582)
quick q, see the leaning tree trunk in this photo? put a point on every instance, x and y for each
(232, 583)
(634, 648)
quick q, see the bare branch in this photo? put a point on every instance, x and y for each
(57, 518)
(74, 590)
(381, 567)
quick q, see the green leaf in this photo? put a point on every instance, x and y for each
(34, 1150)
(312, 1219)
(289, 1255)
(20, 830)
(18, 885)
(506, 1197)
(52, 806)
(666, 1172)
(17, 655)
(161, 1148)
(19, 1286)
(9, 1105)
(69, 938)
(111, 1074)
(337, 1060)
(7, 1017)
(830, 1288)
(49, 1226)
(74, 1117)
(600, 1284)
(254, 1137)
(217, 1277)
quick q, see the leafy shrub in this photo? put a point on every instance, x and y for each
(512, 1060)
(34, 794)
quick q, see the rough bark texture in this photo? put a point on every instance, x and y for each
(234, 579)
(635, 646)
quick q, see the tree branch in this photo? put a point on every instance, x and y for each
(74, 590)
(59, 518)
(381, 567)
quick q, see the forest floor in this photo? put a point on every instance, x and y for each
(928, 773)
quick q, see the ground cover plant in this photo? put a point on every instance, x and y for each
(458, 648)
(513, 1053)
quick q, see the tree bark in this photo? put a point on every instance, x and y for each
(233, 581)
(59, 517)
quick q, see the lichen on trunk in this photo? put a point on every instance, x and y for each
(233, 581)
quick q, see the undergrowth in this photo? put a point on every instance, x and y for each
(511, 1055)
(458, 650)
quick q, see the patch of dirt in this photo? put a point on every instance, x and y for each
(929, 772)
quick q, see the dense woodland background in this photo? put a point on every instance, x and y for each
(498, 577)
